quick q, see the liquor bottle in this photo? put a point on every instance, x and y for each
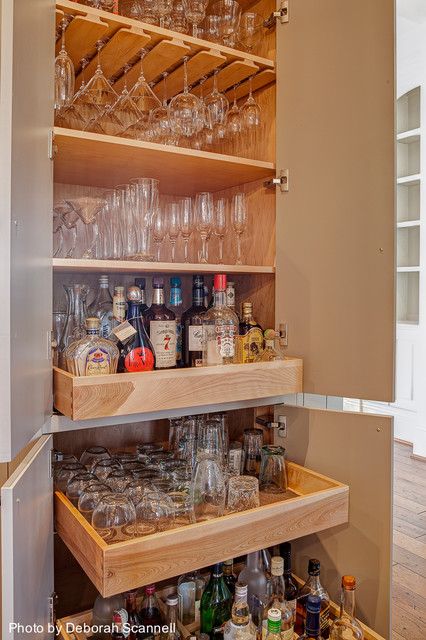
(254, 576)
(277, 600)
(190, 589)
(119, 619)
(133, 618)
(314, 587)
(216, 604)
(313, 619)
(230, 295)
(274, 625)
(149, 614)
(229, 576)
(206, 297)
(270, 352)
(161, 326)
(220, 328)
(346, 627)
(192, 326)
(140, 282)
(173, 632)
(240, 627)
(103, 613)
(250, 339)
(92, 355)
(290, 592)
(118, 306)
(137, 352)
(101, 307)
(176, 305)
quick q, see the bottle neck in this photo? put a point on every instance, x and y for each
(348, 602)
(248, 317)
(277, 585)
(219, 298)
(313, 625)
(172, 613)
(133, 310)
(158, 296)
(253, 560)
(92, 332)
(175, 296)
(227, 569)
(314, 582)
(286, 558)
(198, 297)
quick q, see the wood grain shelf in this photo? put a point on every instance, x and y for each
(314, 503)
(76, 265)
(98, 160)
(125, 37)
(121, 394)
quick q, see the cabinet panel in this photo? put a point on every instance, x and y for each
(335, 225)
(26, 187)
(27, 544)
(356, 449)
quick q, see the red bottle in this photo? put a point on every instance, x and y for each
(149, 614)
(136, 353)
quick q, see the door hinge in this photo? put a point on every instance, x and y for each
(54, 457)
(267, 421)
(51, 146)
(51, 344)
(52, 601)
(281, 15)
(281, 181)
(283, 334)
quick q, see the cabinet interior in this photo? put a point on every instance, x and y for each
(408, 111)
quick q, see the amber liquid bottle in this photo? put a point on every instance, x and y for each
(250, 339)
(192, 326)
(313, 587)
(161, 326)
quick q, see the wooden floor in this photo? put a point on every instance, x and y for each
(409, 570)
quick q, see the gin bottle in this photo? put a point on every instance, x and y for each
(240, 627)
(314, 587)
(277, 600)
(220, 328)
(101, 307)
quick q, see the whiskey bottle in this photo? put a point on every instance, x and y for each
(346, 626)
(220, 328)
(250, 339)
(176, 305)
(137, 352)
(101, 307)
(192, 326)
(92, 355)
(313, 619)
(314, 587)
(161, 326)
(229, 576)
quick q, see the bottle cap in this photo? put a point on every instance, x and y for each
(103, 279)
(230, 283)
(119, 289)
(92, 323)
(140, 282)
(198, 281)
(274, 615)
(314, 567)
(175, 282)
(172, 599)
(134, 294)
(219, 282)
(158, 283)
(229, 562)
(150, 589)
(241, 590)
(313, 604)
(277, 566)
(217, 569)
(247, 307)
(349, 583)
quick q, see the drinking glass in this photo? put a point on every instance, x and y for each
(64, 74)
(173, 225)
(155, 512)
(251, 120)
(90, 497)
(159, 121)
(208, 490)
(92, 455)
(217, 106)
(186, 109)
(58, 235)
(249, 31)
(137, 488)
(118, 479)
(149, 11)
(58, 324)
(114, 518)
(123, 202)
(239, 220)
(130, 8)
(175, 425)
(211, 28)
(186, 224)
(102, 468)
(182, 477)
(159, 229)
(145, 100)
(124, 115)
(147, 448)
(144, 195)
(195, 12)
(97, 92)
(180, 23)
(65, 473)
(220, 224)
(273, 474)
(204, 219)
(233, 125)
(183, 507)
(164, 9)
(229, 12)
(243, 493)
(126, 456)
(210, 441)
(88, 209)
(77, 484)
(252, 445)
(69, 217)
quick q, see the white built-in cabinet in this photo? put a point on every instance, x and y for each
(334, 283)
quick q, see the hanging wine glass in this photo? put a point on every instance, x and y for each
(81, 110)
(159, 121)
(239, 220)
(251, 120)
(64, 74)
(124, 113)
(186, 110)
(98, 91)
(195, 12)
(217, 107)
(146, 101)
(186, 224)
(233, 125)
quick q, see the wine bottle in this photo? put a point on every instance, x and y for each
(216, 604)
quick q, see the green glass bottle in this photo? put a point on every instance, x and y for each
(216, 604)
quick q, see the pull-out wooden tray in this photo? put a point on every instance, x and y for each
(85, 397)
(314, 503)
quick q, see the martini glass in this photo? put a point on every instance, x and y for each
(146, 101)
(98, 92)
(123, 115)
(64, 74)
(186, 110)
(87, 209)
(70, 217)
(58, 234)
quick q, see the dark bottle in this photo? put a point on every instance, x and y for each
(161, 326)
(313, 587)
(140, 282)
(133, 618)
(229, 576)
(290, 586)
(313, 615)
(149, 615)
(192, 326)
(137, 352)
(216, 604)
(176, 304)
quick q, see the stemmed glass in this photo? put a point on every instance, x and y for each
(186, 224)
(88, 209)
(173, 225)
(180, 23)
(204, 218)
(124, 110)
(195, 12)
(186, 109)
(158, 231)
(217, 106)
(250, 30)
(220, 224)
(70, 217)
(251, 116)
(233, 124)
(64, 74)
(229, 12)
(159, 121)
(239, 220)
(164, 9)
(145, 100)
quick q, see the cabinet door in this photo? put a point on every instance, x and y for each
(356, 449)
(27, 544)
(26, 188)
(335, 225)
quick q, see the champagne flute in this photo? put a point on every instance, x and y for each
(239, 220)
(64, 74)
(173, 225)
(158, 231)
(186, 223)
(204, 217)
(220, 224)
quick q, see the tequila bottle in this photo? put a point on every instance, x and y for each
(92, 355)
(270, 351)
(101, 307)
(220, 328)
(346, 627)
(240, 627)
(250, 339)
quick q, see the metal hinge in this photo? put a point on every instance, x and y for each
(53, 459)
(52, 600)
(281, 15)
(266, 421)
(51, 146)
(283, 334)
(281, 181)
(51, 344)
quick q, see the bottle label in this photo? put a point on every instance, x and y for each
(163, 338)
(195, 337)
(230, 297)
(97, 362)
(124, 331)
(287, 634)
(220, 342)
(139, 359)
(119, 309)
(250, 345)
(178, 341)
(106, 319)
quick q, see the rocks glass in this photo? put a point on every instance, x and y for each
(273, 474)
(114, 518)
(243, 493)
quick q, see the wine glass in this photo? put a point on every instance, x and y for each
(251, 116)
(233, 124)
(250, 30)
(159, 231)
(211, 28)
(220, 224)
(164, 9)
(87, 209)
(217, 106)
(204, 219)
(239, 220)
(81, 110)
(180, 23)
(186, 223)
(98, 91)
(145, 100)
(186, 109)
(124, 110)
(195, 12)
(173, 225)
(229, 12)
(159, 120)
(64, 74)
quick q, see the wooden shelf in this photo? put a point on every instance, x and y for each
(93, 159)
(313, 503)
(409, 180)
(126, 37)
(121, 394)
(68, 265)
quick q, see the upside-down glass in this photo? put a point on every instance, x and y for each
(217, 107)
(243, 493)
(208, 490)
(145, 100)
(137, 489)
(210, 443)
(183, 507)
(159, 121)
(155, 512)
(92, 455)
(273, 474)
(64, 74)
(98, 92)
(118, 479)
(234, 126)
(77, 484)
(65, 473)
(239, 220)
(204, 219)
(102, 468)
(144, 193)
(90, 497)
(186, 109)
(252, 445)
(251, 120)
(114, 518)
